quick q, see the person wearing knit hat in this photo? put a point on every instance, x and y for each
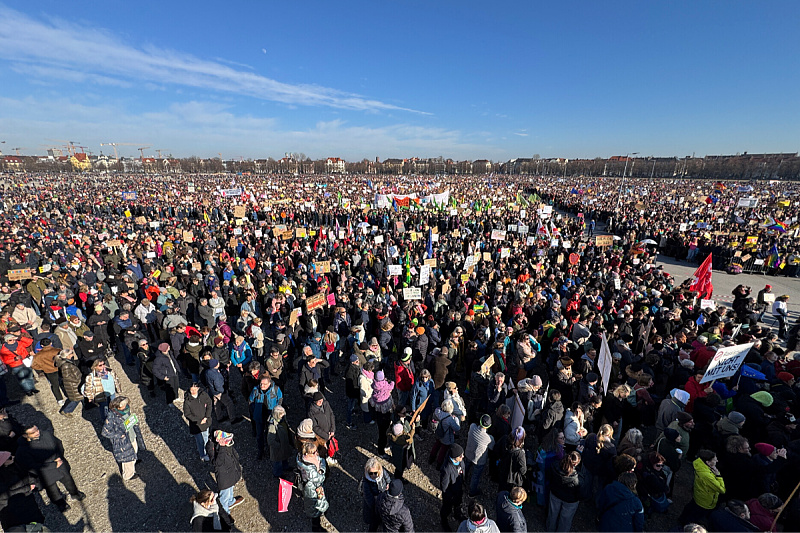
(392, 509)
(765, 449)
(786, 377)
(227, 469)
(479, 445)
(406, 354)
(736, 418)
(451, 481)
(306, 429)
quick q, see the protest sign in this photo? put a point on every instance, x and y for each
(498, 235)
(331, 299)
(604, 240)
(300, 233)
(19, 274)
(315, 302)
(378, 239)
(768, 297)
(113, 242)
(129, 196)
(412, 293)
(424, 274)
(294, 315)
(430, 262)
(239, 211)
(323, 267)
(726, 362)
(708, 304)
(505, 252)
(395, 270)
(605, 363)
(188, 236)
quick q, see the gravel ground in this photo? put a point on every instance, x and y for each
(171, 472)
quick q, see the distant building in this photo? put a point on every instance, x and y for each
(334, 165)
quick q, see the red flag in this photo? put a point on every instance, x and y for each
(701, 283)
(284, 495)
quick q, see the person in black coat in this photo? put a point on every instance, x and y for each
(227, 468)
(321, 414)
(10, 430)
(165, 370)
(553, 413)
(733, 516)
(508, 509)
(41, 454)
(352, 389)
(452, 484)
(392, 509)
(198, 408)
(18, 505)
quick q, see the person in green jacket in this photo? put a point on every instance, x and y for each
(708, 485)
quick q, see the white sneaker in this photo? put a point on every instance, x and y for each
(61, 403)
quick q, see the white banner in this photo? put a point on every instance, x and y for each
(604, 364)
(726, 362)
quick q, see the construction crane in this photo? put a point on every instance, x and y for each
(162, 150)
(114, 145)
(69, 145)
(141, 152)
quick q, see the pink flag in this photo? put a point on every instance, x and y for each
(284, 495)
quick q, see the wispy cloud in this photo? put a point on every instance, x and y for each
(204, 128)
(57, 46)
(520, 134)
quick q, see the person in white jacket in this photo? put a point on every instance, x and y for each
(780, 312)
(573, 426)
(451, 393)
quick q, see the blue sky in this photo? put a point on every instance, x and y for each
(467, 80)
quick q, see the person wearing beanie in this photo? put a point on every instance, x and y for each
(669, 445)
(323, 422)
(748, 475)
(588, 388)
(479, 442)
(421, 344)
(401, 445)
(227, 468)
(352, 391)
(763, 510)
(683, 424)
(669, 408)
(382, 406)
(728, 426)
(754, 408)
(477, 521)
(393, 511)
(451, 480)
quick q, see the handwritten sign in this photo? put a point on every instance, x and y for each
(300, 233)
(140, 220)
(239, 211)
(129, 196)
(574, 258)
(294, 315)
(430, 262)
(331, 299)
(113, 242)
(188, 236)
(19, 274)
(315, 302)
(395, 270)
(604, 240)
(412, 293)
(708, 304)
(323, 267)
(498, 235)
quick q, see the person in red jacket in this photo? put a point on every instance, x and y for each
(696, 389)
(404, 378)
(14, 351)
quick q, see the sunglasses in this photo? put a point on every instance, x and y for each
(374, 474)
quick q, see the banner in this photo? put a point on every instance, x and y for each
(726, 362)
(284, 495)
(412, 293)
(604, 240)
(130, 196)
(604, 363)
(225, 193)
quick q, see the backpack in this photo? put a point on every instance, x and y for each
(440, 431)
(632, 396)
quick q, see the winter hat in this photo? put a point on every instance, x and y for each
(379, 375)
(681, 395)
(406, 354)
(591, 377)
(683, 417)
(535, 381)
(786, 377)
(420, 330)
(456, 451)
(317, 396)
(396, 488)
(223, 438)
(486, 421)
(762, 397)
(306, 429)
(163, 347)
(764, 449)
(736, 417)
(397, 430)
(671, 434)
(213, 363)
(353, 358)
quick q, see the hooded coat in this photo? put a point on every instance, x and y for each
(370, 490)
(121, 443)
(394, 513)
(620, 509)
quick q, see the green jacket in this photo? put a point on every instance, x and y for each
(707, 485)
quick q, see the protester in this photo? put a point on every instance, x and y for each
(122, 429)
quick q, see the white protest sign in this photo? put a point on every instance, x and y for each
(424, 274)
(708, 304)
(498, 235)
(378, 239)
(617, 283)
(412, 293)
(530, 241)
(395, 270)
(505, 252)
(726, 362)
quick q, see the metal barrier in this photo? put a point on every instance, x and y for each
(751, 266)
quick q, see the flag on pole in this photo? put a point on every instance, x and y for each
(701, 283)
(430, 243)
(774, 258)
(284, 495)
(750, 372)
(394, 205)
(542, 230)
(604, 363)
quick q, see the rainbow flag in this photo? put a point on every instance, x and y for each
(774, 259)
(778, 226)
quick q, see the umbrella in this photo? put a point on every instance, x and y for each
(617, 238)
(649, 241)
(364, 225)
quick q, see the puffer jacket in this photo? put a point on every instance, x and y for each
(114, 430)
(227, 468)
(404, 376)
(365, 382)
(314, 505)
(192, 352)
(394, 514)
(381, 391)
(13, 357)
(72, 377)
(620, 509)
(509, 517)
(707, 485)
(93, 385)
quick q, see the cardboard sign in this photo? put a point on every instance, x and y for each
(197, 265)
(113, 242)
(19, 274)
(498, 235)
(430, 262)
(239, 211)
(287, 235)
(323, 267)
(315, 302)
(140, 220)
(188, 236)
(300, 233)
(746, 257)
(294, 315)
(412, 293)
(487, 256)
(726, 362)
(399, 227)
(604, 240)
(768, 297)
(574, 259)
(487, 365)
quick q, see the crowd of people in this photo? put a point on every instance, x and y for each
(491, 330)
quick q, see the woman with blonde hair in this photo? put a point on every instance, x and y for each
(614, 407)
(598, 456)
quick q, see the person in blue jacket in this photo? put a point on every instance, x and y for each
(619, 507)
(241, 353)
(263, 399)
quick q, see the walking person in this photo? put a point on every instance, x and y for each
(198, 408)
(382, 405)
(71, 377)
(44, 362)
(313, 470)
(216, 389)
(41, 454)
(122, 429)
(780, 312)
(446, 428)
(227, 469)
(324, 422)
(479, 443)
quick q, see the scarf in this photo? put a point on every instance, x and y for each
(212, 511)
